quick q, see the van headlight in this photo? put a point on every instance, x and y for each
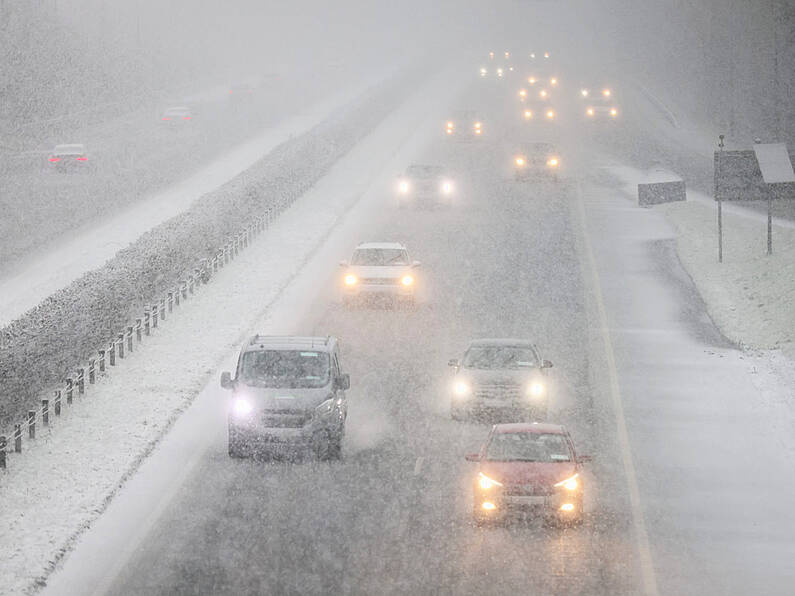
(447, 187)
(403, 187)
(325, 408)
(351, 280)
(242, 407)
(570, 483)
(407, 280)
(487, 483)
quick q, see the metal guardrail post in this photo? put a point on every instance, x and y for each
(17, 438)
(120, 345)
(112, 353)
(129, 338)
(171, 302)
(2, 452)
(92, 371)
(69, 391)
(81, 381)
(163, 309)
(45, 412)
(154, 308)
(101, 360)
(31, 424)
(147, 324)
(57, 402)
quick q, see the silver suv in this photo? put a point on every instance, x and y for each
(379, 269)
(288, 395)
(500, 377)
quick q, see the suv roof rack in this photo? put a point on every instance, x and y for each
(290, 339)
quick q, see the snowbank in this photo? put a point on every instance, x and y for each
(749, 295)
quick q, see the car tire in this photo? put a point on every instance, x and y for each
(335, 447)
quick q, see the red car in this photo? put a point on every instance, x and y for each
(528, 467)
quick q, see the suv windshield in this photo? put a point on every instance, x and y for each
(500, 357)
(534, 447)
(285, 368)
(380, 256)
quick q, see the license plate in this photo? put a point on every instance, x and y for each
(526, 500)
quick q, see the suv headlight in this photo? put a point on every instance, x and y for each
(403, 186)
(447, 187)
(351, 280)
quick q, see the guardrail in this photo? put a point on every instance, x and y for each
(131, 336)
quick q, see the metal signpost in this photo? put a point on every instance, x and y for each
(764, 173)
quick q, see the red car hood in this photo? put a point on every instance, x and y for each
(522, 472)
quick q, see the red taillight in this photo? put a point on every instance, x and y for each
(166, 118)
(55, 159)
(82, 159)
(186, 117)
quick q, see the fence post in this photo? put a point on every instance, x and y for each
(184, 289)
(163, 309)
(147, 324)
(102, 361)
(112, 353)
(154, 308)
(81, 381)
(2, 452)
(57, 402)
(129, 338)
(214, 263)
(138, 326)
(120, 346)
(226, 254)
(69, 385)
(177, 293)
(45, 412)
(92, 371)
(191, 283)
(31, 424)
(170, 302)
(18, 438)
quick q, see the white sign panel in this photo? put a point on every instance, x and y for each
(774, 162)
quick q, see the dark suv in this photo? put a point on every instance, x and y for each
(288, 395)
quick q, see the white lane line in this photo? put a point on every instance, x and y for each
(418, 465)
(638, 523)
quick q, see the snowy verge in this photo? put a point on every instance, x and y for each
(749, 295)
(40, 348)
(67, 477)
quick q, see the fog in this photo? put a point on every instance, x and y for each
(415, 297)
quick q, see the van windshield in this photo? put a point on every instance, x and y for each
(285, 368)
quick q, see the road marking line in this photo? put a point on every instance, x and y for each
(638, 523)
(418, 465)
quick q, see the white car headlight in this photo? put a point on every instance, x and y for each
(407, 280)
(351, 280)
(447, 187)
(325, 408)
(461, 388)
(536, 389)
(403, 186)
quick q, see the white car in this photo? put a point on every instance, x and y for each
(600, 102)
(424, 185)
(379, 269)
(177, 115)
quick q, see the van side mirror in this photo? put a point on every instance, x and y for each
(416, 263)
(344, 382)
(546, 364)
(454, 363)
(472, 456)
(226, 380)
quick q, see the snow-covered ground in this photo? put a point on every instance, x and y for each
(66, 262)
(103, 438)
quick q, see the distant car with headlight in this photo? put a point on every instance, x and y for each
(528, 468)
(537, 106)
(465, 124)
(69, 158)
(288, 396)
(536, 159)
(598, 102)
(379, 270)
(425, 185)
(500, 377)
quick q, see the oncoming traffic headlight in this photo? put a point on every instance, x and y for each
(613, 112)
(351, 280)
(478, 124)
(542, 93)
(487, 483)
(584, 92)
(589, 111)
(535, 389)
(242, 407)
(407, 280)
(528, 114)
(553, 162)
(520, 161)
(532, 80)
(447, 187)
(403, 186)
(551, 114)
(553, 81)
(570, 483)
(461, 388)
(606, 92)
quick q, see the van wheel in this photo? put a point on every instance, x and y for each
(335, 447)
(321, 445)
